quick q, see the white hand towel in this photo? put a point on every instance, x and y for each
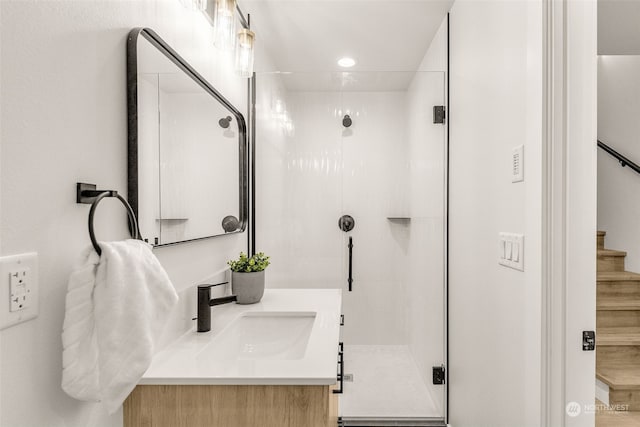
(116, 308)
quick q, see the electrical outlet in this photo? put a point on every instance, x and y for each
(18, 289)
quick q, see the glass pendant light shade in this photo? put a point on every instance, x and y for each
(200, 5)
(225, 24)
(244, 52)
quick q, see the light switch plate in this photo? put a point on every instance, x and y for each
(18, 289)
(513, 256)
(517, 164)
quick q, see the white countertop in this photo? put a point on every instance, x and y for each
(188, 360)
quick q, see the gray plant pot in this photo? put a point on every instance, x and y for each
(248, 287)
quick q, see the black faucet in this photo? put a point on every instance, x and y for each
(205, 302)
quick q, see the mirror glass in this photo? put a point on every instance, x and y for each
(187, 148)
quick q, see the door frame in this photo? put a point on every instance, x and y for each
(569, 171)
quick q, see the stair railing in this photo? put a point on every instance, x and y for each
(622, 159)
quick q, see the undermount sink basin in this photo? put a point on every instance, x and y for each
(265, 336)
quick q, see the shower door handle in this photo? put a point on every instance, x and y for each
(350, 279)
(346, 224)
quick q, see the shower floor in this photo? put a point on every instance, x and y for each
(386, 383)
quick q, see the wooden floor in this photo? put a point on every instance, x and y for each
(606, 418)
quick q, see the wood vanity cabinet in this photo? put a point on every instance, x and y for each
(231, 406)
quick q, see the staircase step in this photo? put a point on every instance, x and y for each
(618, 276)
(617, 355)
(628, 397)
(610, 260)
(617, 318)
(611, 252)
(618, 284)
(617, 290)
(617, 304)
(624, 384)
(600, 239)
(610, 417)
(618, 336)
(620, 376)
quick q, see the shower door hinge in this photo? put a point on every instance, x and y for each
(439, 114)
(438, 374)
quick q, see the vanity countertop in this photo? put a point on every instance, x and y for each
(194, 358)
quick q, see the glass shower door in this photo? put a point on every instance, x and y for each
(362, 145)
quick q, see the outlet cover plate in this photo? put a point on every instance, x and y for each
(28, 292)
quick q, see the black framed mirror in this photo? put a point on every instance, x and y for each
(188, 148)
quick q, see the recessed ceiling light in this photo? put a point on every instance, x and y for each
(346, 62)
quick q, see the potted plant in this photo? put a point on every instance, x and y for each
(247, 277)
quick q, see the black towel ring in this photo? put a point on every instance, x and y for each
(86, 193)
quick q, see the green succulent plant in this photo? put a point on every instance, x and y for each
(244, 264)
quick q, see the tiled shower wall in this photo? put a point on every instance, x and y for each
(324, 171)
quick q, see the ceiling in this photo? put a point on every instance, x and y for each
(311, 35)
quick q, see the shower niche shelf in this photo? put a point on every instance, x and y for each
(400, 219)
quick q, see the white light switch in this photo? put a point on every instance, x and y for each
(18, 289)
(513, 254)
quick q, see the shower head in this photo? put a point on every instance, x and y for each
(224, 122)
(346, 121)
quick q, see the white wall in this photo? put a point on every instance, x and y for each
(619, 127)
(494, 312)
(270, 164)
(618, 27)
(1, 404)
(63, 114)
